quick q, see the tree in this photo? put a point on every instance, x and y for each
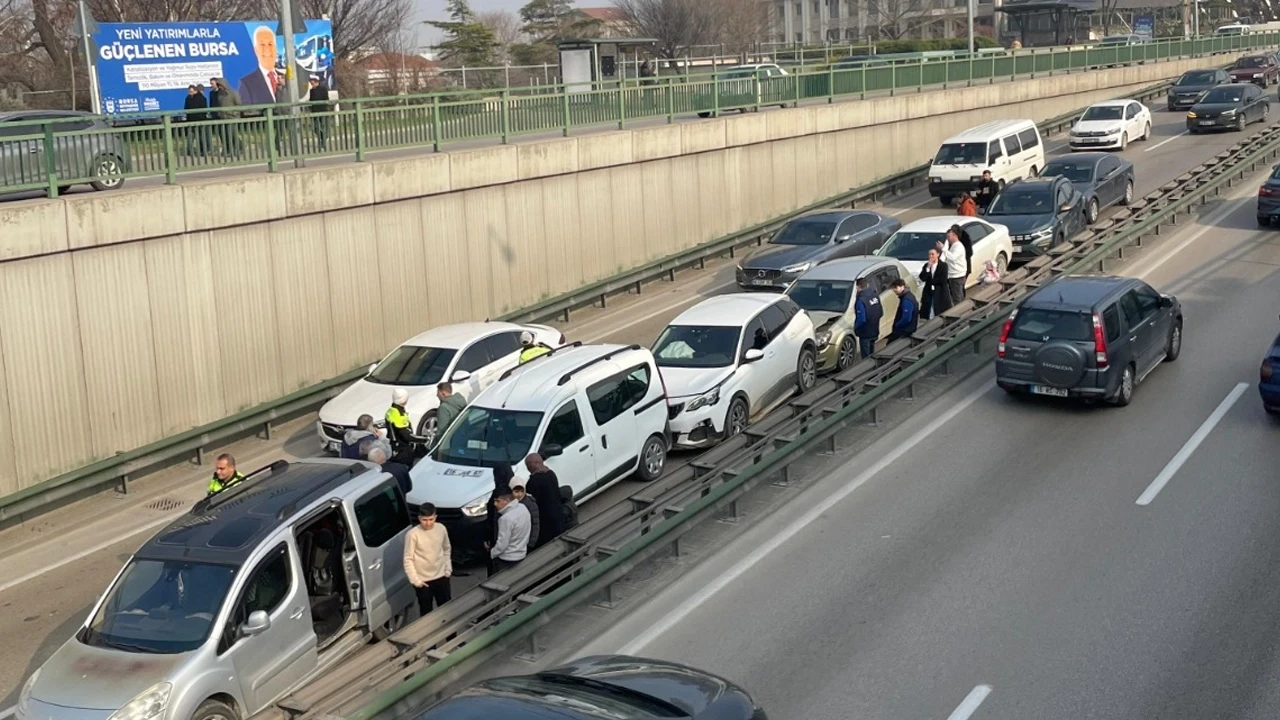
(897, 19)
(505, 27)
(358, 24)
(741, 24)
(677, 25)
(468, 42)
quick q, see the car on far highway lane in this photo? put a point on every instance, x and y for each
(84, 147)
(1261, 69)
(1093, 337)
(812, 239)
(1040, 213)
(1112, 40)
(1269, 198)
(602, 687)
(912, 243)
(1187, 90)
(1228, 107)
(827, 293)
(1102, 179)
(1110, 125)
(1269, 378)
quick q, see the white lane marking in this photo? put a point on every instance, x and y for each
(971, 703)
(1208, 223)
(920, 204)
(1165, 142)
(8, 712)
(681, 611)
(1190, 447)
(86, 553)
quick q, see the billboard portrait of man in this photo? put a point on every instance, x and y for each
(259, 87)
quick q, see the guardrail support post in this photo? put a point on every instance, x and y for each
(606, 601)
(831, 446)
(50, 160)
(532, 652)
(873, 416)
(675, 548)
(199, 456)
(273, 157)
(266, 430)
(170, 157)
(505, 109)
(124, 485)
(731, 515)
(783, 479)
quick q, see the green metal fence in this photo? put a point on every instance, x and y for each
(53, 155)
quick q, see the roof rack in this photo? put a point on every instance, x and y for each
(569, 375)
(553, 351)
(353, 470)
(231, 493)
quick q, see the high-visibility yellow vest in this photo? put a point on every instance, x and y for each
(217, 486)
(532, 352)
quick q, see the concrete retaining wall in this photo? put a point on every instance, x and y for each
(133, 315)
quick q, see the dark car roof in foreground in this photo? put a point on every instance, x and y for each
(1079, 292)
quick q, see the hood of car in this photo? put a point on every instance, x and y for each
(451, 486)
(687, 382)
(1247, 72)
(1192, 89)
(1214, 108)
(93, 678)
(372, 398)
(693, 691)
(1023, 224)
(1098, 126)
(777, 257)
(823, 320)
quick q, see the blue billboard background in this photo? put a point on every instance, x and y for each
(1145, 25)
(146, 67)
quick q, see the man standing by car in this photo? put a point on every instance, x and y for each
(953, 256)
(399, 431)
(523, 497)
(451, 407)
(986, 192)
(428, 560)
(867, 313)
(544, 487)
(907, 318)
(529, 348)
(513, 533)
(224, 475)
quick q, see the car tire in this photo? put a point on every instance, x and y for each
(806, 370)
(1035, 172)
(1091, 211)
(108, 170)
(1264, 221)
(1128, 194)
(1124, 391)
(944, 200)
(737, 417)
(1124, 140)
(1002, 264)
(1173, 347)
(653, 459)
(1146, 132)
(1241, 122)
(215, 710)
(847, 353)
(63, 189)
(428, 425)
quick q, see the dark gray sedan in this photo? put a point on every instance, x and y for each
(84, 150)
(1103, 179)
(812, 239)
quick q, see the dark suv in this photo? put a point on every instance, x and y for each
(1088, 336)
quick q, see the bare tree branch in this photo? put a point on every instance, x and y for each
(741, 25)
(360, 23)
(677, 25)
(897, 19)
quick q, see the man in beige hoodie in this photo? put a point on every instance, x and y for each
(428, 560)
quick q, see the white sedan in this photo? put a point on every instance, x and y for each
(912, 243)
(471, 356)
(1111, 125)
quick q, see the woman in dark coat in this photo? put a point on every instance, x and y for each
(934, 298)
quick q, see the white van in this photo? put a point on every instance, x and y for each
(596, 413)
(1010, 149)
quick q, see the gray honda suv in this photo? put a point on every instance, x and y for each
(1088, 336)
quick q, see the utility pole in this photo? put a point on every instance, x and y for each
(969, 15)
(85, 26)
(1195, 11)
(287, 24)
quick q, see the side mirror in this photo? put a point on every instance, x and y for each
(257, 624)
(1066, 207)
(1166, 301)
(752, 355)
(550, 451)
(842, 238)
(460, 376)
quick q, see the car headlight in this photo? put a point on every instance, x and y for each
(1228, 112)
(710, 397)
(824, 338)
(1257, 75)
(477, 508)
(799, 268)
(150, 704)
(975, 178)
(1191, 114)
(24, 697)
(935, 179)
(1040, 234)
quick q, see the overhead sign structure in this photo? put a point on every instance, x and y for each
(147, 67)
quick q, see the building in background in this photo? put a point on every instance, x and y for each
(612, 22)
(393, 73)
(823, 21)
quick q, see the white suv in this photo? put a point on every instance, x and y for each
(469, 355)
(596, 413)
(729, 359)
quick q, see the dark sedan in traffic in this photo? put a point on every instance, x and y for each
(1039, 212)
(1102, 179)
(598, 687)
(1228, 107)
(1187, 90)
(1269, 198)
(812, 239)
(1269, 378)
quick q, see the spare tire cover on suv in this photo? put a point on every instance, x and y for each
(1060, 364)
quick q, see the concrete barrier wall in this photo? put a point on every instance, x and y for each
(127, 317)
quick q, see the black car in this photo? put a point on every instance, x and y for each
(1187, 90)
(1228, 107)
(1269, 198)
(1039, 212)
(1088, 336)
(1102, 179)
(812, 239)
(603, 687)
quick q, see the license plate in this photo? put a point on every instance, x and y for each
(765, 283)
(1206, 122)
(1050, 391)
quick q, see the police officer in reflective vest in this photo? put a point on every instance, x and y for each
(399, 430)
(867, 312)
(224, 475)
(530, 349)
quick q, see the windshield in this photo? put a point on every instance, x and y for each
(805, 232)
(1230, 30)
(160, 607)
(1035, 325)
(962, 154)
(1103, 112)
(822, 295)
(1076, 172)
(912, 245)
(692, 346)
(1198, 78)
(484, 437)
(412, 365)
(1115, 39)
(1223, 95)
(1250, 62)
(1022, 201)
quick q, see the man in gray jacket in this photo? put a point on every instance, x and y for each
(513, 533)
(451, 407)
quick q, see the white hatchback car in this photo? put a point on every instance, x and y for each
(729, 359)
(912, 243)
(470, 355)
(1111, 125)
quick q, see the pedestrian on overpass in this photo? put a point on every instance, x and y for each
(428, 560)
(907, 317)
(399, 430)
(968, 248)
(867, 313)
(530, 349)
(224, 475)
(957, 273)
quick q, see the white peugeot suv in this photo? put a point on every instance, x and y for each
(730, 359)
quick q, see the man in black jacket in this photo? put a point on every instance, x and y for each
(197, 132)
(987, 191)
(318, 95)
(907, 318)
(544, 486)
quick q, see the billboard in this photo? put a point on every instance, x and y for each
(1145, 25)
(146, 67)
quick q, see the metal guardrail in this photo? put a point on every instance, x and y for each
(118, 469)
(434, 651)
(57, 154)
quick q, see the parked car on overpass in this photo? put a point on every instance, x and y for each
(1039, 213)
(913, 242)
(745, 86)
(1102, 178)
(812, 239)
(85, 149)
(1111, 125)
(1192, 84)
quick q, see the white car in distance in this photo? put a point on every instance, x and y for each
(1111, 125)
(471, 356)
(912, 243)
(730, 359)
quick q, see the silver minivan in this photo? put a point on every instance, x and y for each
(239, 601)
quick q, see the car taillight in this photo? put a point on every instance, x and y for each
(1004, 333)
(1265, 371)
(1099, 343)
(1265, 191)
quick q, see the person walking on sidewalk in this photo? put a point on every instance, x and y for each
(428, 560)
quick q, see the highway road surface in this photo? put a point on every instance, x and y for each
(53, 569)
